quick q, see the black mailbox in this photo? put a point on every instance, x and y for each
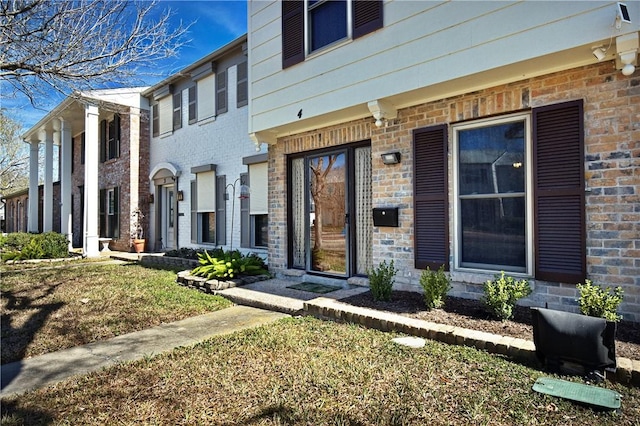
(386, 216)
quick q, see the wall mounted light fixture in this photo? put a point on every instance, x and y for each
(627, 47)
(382, 111)
(151, 199)
(391, 157)
(599, 53)
(180, 196)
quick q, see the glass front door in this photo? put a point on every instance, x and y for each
(328, 217)
(331, 225)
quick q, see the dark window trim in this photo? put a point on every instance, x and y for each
(193, 104)
(242, 85)
(177, 110)
(155, 121)
(221, 92)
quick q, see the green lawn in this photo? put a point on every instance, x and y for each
(61, 305)
(304, 371)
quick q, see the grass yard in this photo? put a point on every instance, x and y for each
(57, 306)
(303, 371)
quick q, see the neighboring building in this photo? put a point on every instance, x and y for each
(16, 209)
(207, 182)
(103, 141)
(509, 145)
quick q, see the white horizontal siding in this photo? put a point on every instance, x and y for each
(421, 44)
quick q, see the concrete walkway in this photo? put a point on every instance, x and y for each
(37, 372)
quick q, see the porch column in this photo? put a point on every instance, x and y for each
(66, 227)
(47, 204)
(32, 215)
(91, 191)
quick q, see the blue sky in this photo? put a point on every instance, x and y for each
(214, 24)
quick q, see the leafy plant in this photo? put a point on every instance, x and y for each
(229, 264)
(435, 284)
(22, 246)
(381, 280)
(502, 293)
(595, 301)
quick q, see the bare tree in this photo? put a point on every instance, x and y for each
(14, 157)
(76, 45)
(318, 184)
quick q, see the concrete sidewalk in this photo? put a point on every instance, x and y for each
(37, 372)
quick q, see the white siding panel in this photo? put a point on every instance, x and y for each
(417, 49)
(206, 97)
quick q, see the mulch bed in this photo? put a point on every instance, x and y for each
(471, 314)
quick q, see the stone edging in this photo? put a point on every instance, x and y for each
(210, 286)
(627, 371)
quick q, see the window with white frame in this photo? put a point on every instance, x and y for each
(206, 200)
(492, 205)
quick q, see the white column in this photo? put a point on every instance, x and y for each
(66, 227)
(91, 190)
(32, 221)
(47, 203)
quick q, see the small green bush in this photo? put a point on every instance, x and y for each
(595, 301)
(502, 293)
(22, 246)
(435, 284)
(381, 280)
(229, 264)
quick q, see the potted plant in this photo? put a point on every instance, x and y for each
(137, 230)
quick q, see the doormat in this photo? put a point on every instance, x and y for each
(314, 287)
(586, 394)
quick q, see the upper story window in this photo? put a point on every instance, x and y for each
(310, 25)
(110, 138)
(326, 22)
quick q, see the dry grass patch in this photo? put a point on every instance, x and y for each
(52, 308)
(303, 371)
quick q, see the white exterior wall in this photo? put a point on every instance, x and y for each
(420, 54)
(222, 141)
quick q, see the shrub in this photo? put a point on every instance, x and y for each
(435, 284)
(381, 280)
(595, 301)
(502, 293)
(229, 264)
(22, 246)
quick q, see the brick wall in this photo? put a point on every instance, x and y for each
(117, 172)
(612, 157)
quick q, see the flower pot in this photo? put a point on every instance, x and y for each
(138, 245)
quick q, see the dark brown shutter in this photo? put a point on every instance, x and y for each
(367, 17)
(292, 32)
(431, 215)
(558, 172)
